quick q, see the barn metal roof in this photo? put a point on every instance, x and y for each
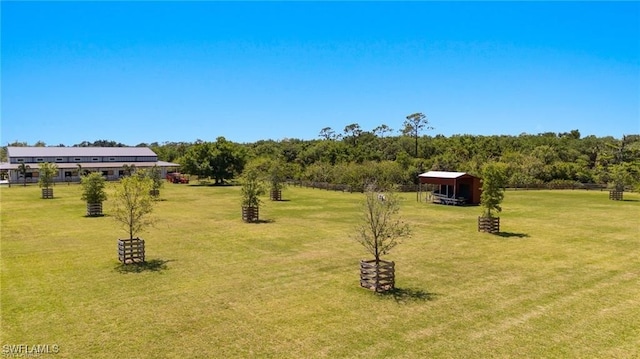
(443, 174)
(89, 165)
(79, 151)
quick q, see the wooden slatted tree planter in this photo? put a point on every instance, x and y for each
(131, 250)
(378, 277)
(47, 193)
(252, 189)
(493, 180)
(93, 192)
(489, 224)
(250, 213)
(276, 195)
(94, 209)
(615, 195)
(46, 173)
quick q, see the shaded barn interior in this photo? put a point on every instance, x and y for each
(456, 188)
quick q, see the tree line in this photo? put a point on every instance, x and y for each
(357, 155)
(353, 155)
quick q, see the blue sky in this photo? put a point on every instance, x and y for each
(137, 72)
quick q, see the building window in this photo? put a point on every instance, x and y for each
(95, 159)
(77, 159)
(112, 159)
(39, 159)
(59, 159)
(68, 174)
(20, 160)
(105, 173)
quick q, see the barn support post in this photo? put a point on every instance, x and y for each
(455, 187)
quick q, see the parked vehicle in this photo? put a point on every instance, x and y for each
(176, 177)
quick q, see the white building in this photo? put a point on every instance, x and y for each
(112, 162)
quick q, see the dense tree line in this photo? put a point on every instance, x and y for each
(353, 155)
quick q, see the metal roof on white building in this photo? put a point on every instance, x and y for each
(78, 151)
(442, 174)
(145, 154)
(91, 165)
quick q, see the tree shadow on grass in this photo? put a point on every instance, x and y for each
(631, 200)
(512, 234)
(261, 221)
(404, 295)
(154, 265)
(210, 184)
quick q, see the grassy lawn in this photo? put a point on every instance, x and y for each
(563, 279)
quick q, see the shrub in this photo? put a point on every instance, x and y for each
(252, 188)
(93, 188)
(493, 180)
(47, 173)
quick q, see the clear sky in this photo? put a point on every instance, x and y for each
(137, 72)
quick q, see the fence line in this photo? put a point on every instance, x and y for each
(414, 188)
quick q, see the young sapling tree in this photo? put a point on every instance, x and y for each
(380, 230)
(93, 192)
(493, 180)
(620, 176)
(155, 175)
(133, 204)
(47, 173)
(276, 173)
(252, 189)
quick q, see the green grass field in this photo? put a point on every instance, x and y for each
(562, 281)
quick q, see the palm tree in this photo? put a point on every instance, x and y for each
(128, 169)
(79, 170)
(22, 169)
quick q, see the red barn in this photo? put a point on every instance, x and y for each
(453, 187)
